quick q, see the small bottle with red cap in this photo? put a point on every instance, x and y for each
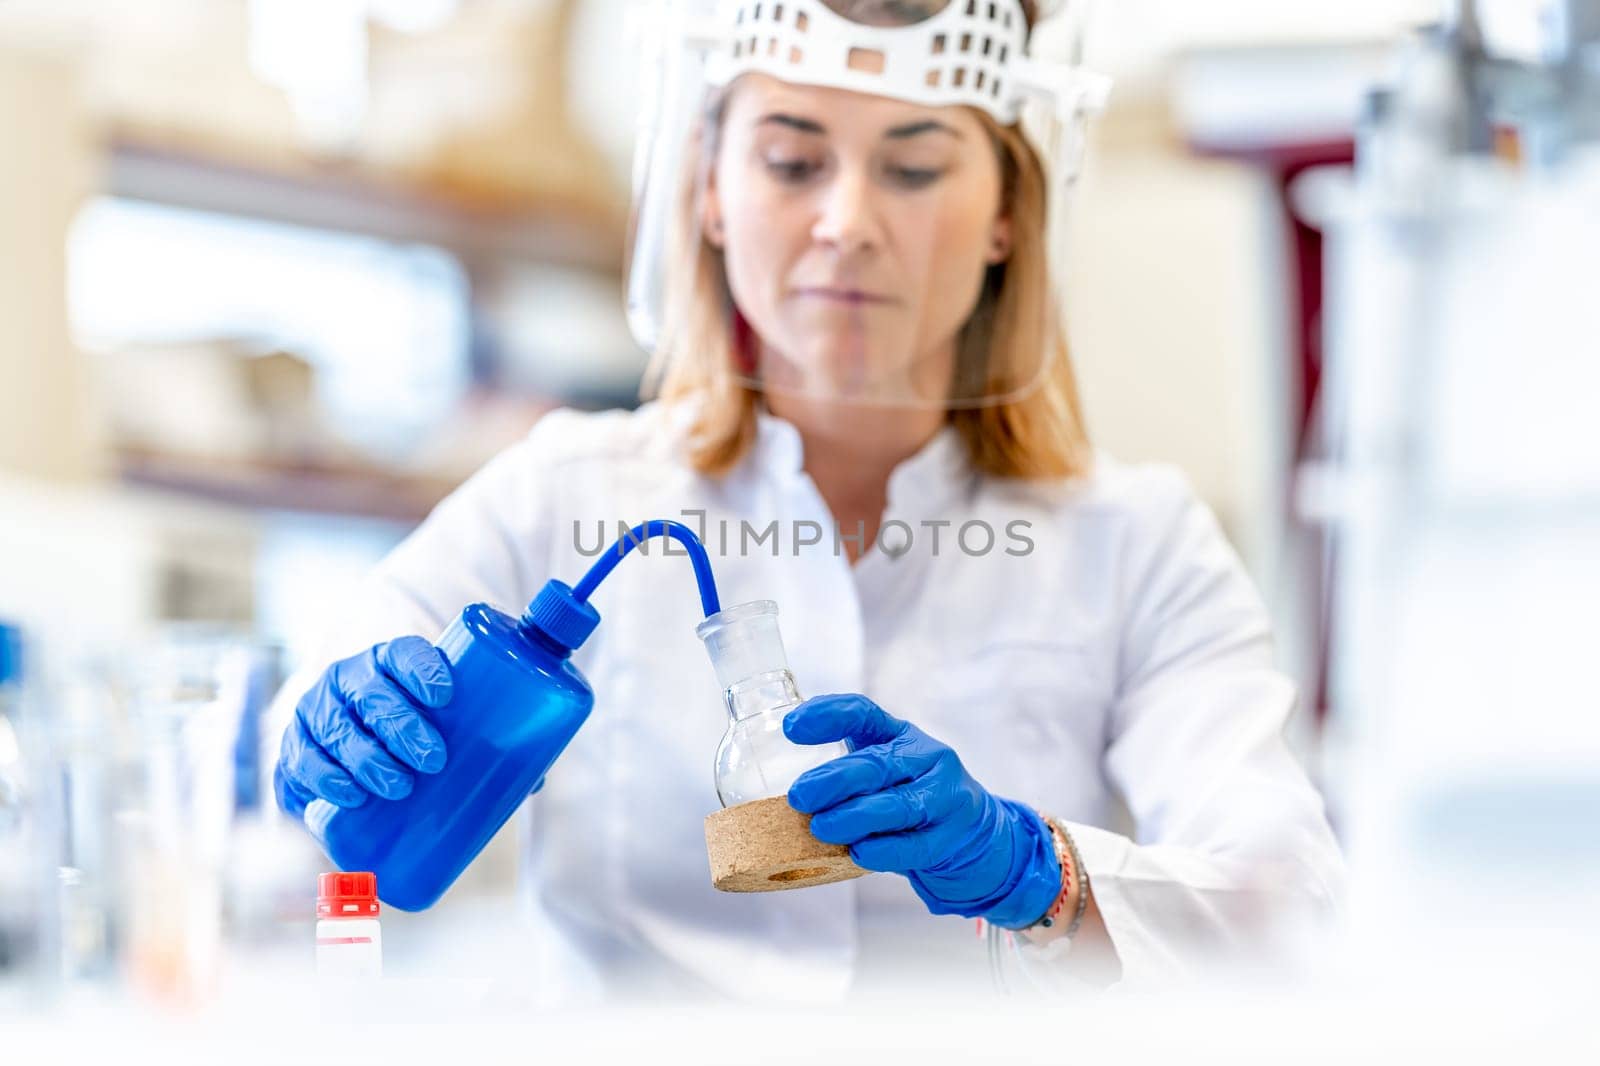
(349, 940)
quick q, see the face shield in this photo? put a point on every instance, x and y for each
(822, 210)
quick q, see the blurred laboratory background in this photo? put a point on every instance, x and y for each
(276, 275)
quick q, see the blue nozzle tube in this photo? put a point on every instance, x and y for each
(637, 536)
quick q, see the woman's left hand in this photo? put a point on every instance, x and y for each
(903, 803)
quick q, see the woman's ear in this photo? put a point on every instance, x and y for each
(1000, 240)
(711, 211)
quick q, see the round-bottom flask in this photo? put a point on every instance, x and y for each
(758, 843)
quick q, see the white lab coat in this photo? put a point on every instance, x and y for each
(1124, 658)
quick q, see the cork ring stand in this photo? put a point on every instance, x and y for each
(767, 846)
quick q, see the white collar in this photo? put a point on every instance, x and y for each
(937, 471)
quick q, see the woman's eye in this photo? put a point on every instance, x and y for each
(791, 170)
(914, 177)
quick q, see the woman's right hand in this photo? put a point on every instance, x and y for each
(362, 729)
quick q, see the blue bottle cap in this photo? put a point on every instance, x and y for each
(560, 615)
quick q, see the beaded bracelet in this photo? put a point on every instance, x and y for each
(1071, 870)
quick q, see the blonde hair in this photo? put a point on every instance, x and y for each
(1038, 434)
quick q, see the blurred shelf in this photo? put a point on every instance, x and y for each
(366, 492)
(354, 199)
(1262, 100)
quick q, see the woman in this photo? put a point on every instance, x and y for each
(867, 409)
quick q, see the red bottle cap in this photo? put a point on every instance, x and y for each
(347, 895)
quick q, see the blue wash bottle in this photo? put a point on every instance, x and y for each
(516, 703)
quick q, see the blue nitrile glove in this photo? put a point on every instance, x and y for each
(904, 803)
(361, 728)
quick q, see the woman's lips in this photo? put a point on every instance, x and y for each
(840, 295)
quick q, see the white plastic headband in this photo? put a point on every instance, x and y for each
(973, 52)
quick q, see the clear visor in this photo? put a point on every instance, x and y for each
(815, 217)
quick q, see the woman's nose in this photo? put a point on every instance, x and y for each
(847, 217)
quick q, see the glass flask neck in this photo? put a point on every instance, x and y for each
(771, 691)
